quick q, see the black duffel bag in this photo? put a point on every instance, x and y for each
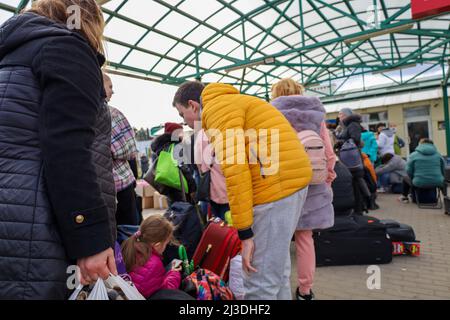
(399, 232)
(353, 240)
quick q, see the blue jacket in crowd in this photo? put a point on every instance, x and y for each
(370, 145)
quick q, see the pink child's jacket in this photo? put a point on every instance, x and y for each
(153, 277)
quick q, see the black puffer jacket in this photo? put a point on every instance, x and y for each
(343, 195)
(352, 129)
(57, 195)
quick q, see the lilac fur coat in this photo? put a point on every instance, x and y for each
(308, 113)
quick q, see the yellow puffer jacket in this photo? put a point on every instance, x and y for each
(248, 183)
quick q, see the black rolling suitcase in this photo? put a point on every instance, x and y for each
(353, 240)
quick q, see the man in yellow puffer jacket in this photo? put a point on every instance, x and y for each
(267, 172)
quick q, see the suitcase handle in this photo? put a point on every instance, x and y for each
(202, 260)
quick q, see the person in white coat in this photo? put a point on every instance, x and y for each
(386, 139)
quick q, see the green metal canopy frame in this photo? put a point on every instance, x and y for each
(323, 44)
(253, 43)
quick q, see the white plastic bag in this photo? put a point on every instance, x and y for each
(128, 289)
(100, 292)
(75, 294)
(236, 281)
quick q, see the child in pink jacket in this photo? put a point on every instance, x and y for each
(142, 254)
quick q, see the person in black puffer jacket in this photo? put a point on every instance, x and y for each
(351, 129)
(57, 199)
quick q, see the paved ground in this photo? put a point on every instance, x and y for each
(424, 277)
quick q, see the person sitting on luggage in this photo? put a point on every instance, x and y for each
(390, 173)
(425, 168)
(142, 254)
(173, 134)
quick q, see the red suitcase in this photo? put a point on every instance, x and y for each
(218, 245)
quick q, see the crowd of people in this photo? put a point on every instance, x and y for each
(68, 168)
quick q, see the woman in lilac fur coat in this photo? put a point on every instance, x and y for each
(308, 113)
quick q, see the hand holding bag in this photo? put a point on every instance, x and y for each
(100, 290)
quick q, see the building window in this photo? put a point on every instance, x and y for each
(374, 118)
(416, 112)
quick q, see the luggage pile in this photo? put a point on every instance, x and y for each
(363, 240)
(208, 272)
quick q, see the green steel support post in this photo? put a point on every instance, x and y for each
(22, 5)
(197, 66)
(375, 12)
(364, 80)
(446, 111)
(302, 33)
(244, 46)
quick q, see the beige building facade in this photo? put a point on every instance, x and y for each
(413, 117)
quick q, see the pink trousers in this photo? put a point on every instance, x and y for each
(306, 260)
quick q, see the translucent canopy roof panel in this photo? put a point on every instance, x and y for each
(254, 43)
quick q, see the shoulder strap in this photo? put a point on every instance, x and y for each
(183, 191)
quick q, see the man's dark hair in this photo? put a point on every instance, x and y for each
(426, 140)
(381, 124)
(191, 90)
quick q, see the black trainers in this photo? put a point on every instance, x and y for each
(310, 296)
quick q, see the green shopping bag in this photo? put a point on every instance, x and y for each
(167, 171)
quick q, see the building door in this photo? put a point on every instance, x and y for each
(417, 129)
(417, 125)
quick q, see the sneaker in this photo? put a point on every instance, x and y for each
(381, 190)
(403, 199)
(310, 296)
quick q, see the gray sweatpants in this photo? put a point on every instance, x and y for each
(273, 226)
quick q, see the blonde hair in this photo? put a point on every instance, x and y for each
(92, 23)
(137, 249)
(287, 87)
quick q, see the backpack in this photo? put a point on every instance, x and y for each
(315, 148)
(203, 284)
(188, 223)
(350, 155)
